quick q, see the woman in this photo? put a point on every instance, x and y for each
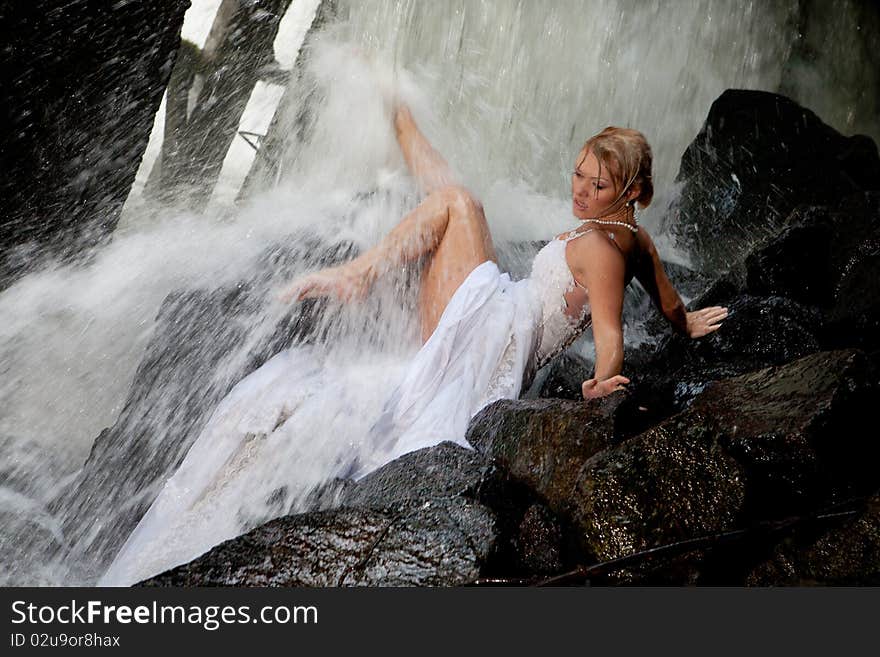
(612, 174)
(483, 335)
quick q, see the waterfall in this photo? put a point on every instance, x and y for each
(507, 90)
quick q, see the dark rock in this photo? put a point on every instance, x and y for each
(847, 555)
(808, 259)
(565, 375)
(538, 544)
(671, 483)
(441, 543)
(761, 446)
(799, 430)
(854, 321)
(757, 157)
(82, 82)
(444, 471)
(543, 443)
(854, 318)
(758, 332)
(689, 282)
(448, 472)
(824, 259)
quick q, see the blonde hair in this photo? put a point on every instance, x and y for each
(627, 156)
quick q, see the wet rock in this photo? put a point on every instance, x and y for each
(824, 259)
(564, 377)
(758, 332)
(443, 471)
(811, 254)
(808, 288)
(442, 543)
(854, 317)
(799, 430)
(538, 543)
(671, 483)
(760, 446)
(688, 281)
(846, 555)
(854, 321)
(449, 471)
(757, 157)
(544, 443)
(82, 83)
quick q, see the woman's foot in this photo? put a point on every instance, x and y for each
(348, 282)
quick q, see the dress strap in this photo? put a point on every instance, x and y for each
(574, 234)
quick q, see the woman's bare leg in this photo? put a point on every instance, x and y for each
(464, 245)
(428, 167)
(449, 224)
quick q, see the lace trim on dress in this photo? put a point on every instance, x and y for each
(554, 280)
(503, 379)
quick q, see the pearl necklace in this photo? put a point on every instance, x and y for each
(634, 229)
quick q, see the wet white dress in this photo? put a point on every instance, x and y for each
(492, 337)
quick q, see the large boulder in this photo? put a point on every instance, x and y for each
(826, 256)
(780, 441)
(759, 332)
(757, 157)
(413, 522)
(443, 543)
(807, 289)
(447, 470)
(528, 537)
(544, 443)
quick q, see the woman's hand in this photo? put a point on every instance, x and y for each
(345, 283)
(593, 388)
(704, 321)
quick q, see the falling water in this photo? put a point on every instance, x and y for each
(507, 91)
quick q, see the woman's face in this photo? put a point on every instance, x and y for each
(591, 194)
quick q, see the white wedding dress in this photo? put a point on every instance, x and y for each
(492, 337)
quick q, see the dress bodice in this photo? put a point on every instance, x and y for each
(552, 279)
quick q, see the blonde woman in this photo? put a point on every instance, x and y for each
(483, 335)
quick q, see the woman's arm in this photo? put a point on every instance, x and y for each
(651, 274)
(604, 278)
